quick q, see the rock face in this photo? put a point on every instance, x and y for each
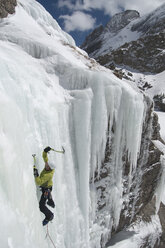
(152, 23)
(138, 200)
(93, 41)
(120, 20)
(146, 54)
(7, 7)
(132, 41)
(159, 102)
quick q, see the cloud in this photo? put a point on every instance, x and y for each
(111, 7)
(78, 21)
(144, 7)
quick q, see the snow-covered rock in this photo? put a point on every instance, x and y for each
(7, 7)
(144, 55)
(120, 20)
(151, 23)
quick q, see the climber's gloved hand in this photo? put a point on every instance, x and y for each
(35, 172)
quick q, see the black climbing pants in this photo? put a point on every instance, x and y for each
(46, 198)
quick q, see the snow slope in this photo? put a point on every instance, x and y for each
(51, 93)
(111, 42)
(156, 82)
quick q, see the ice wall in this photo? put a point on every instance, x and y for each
(53, 94)
(120, 109)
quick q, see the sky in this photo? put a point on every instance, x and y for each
(80, 17)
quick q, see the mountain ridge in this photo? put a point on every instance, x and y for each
(139, 47)
(134, 32)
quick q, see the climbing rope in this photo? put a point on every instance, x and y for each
(48, 235)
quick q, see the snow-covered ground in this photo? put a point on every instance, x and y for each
(152, 84)
(156, 82)
(134, 236)
(52, 94)
(155, 86)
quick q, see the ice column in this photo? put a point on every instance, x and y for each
(82, 131)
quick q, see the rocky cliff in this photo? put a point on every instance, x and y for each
(7, 7)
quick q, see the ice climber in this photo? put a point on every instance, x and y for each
(44, 180)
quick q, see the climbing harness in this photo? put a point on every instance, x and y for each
(48, 235)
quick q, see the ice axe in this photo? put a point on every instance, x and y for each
(63, 150)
